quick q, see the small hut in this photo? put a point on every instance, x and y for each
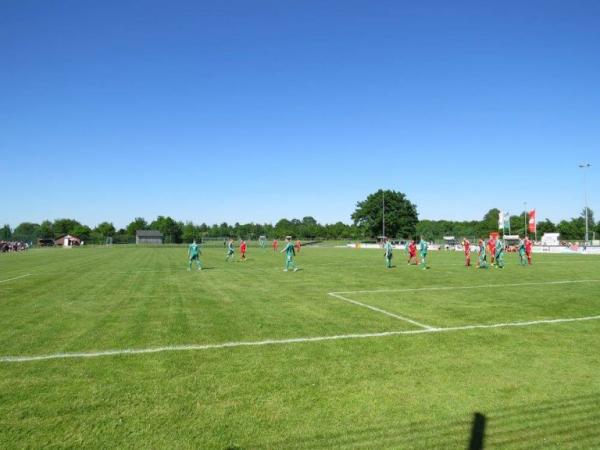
(68, 241)
(152, 237)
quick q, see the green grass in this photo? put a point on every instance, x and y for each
(538, 386)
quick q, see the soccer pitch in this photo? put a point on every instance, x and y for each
(123, 347)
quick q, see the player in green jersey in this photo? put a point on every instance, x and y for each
(423, 247)
(194, 255)
(388, 253)
(522, 253)
(290, 253)
(499, 254)
(230, 250)
(482, 262)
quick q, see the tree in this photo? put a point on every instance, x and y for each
(309, 220)
(516, 224)
(400, 214)
(139, 223)
(46, 230)
(545, 226)
(489, 222)
(190, 232)
(83, 232)
(310, 228)
(567, 230)
(591, 221)
(169, 228)
(26, 231)
(65, 226)
(5, 233)
(284, 228)
(106, 229)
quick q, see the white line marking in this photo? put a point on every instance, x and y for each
(176, 348)
(382, 311)
(15, 278)
(451, 288)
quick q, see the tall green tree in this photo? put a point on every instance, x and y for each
(545, 226)
(171, 229)
(106, 229)
(83, 232)
(517, 224)
(139, 223)
(5, 232)
(489, 222)
(568, 229)
(190, 232)
(590, 218)
(66, 226)
(310, 228)
(284, 228)
(26, 231)
(46, 230)
(401, 216)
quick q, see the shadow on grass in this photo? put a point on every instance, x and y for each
(556, 423)
(477, 432)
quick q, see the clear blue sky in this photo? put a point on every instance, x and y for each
(244, 111)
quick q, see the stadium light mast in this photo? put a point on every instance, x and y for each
(585, 166)
(383, 228)
(525, 219)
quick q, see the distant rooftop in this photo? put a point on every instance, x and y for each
(148, 233)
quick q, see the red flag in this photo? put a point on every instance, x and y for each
(532, 225)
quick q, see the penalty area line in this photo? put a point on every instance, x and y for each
(453, 288)
(15, 278)
(379, 310)
(179, 348)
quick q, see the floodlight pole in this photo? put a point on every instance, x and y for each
(383, 229)
(525, 218)
(585, 166)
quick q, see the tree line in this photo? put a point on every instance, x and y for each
(400, 221)
(570, 230)
(177, 231)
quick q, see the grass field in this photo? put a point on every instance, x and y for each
(309, 362)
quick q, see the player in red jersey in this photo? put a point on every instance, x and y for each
(412, 253)
(243, 248)
(275, 245)
(528, 246)
(467, 248)
(298, 246)
(492, 250)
